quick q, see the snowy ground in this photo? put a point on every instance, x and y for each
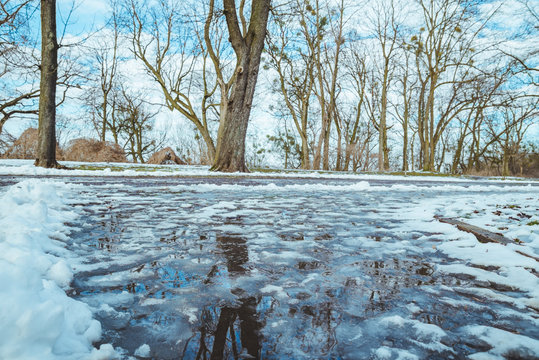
(26, 167)
(330, 266)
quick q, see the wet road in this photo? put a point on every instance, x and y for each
(202, 268)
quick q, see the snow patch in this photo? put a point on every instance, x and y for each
(504, 344)
(38, 319)
(143, 351)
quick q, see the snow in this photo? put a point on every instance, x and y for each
(38, 319)
(395, 320)
(26, 168)
(504, 344)
(278, 291)
(390, 353)
(143, 351)
(368, 248)
(383, 353)
(105, 352)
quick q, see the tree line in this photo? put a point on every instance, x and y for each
(424, 85)
(440, 86)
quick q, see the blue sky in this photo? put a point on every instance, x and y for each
(86, 16)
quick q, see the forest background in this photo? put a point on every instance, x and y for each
(431, 85)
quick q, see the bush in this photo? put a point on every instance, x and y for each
(25, 147)
(90, 150)
(165, 156)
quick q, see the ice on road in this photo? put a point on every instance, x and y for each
(305, 268)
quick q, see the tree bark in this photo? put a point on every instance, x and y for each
(383, 156)
(236, 108)
(46, 151)
(406, 99)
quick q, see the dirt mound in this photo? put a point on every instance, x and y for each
(25, 147)
(90, 150)
(165, 156)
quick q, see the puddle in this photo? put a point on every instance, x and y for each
(279, 281)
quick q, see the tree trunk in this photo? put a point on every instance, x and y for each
(140, 144)
(318, 149)
(338, 165)
(430, 144)
(2, 122)
(230, 152)
(405, 121)
(352, 144)
(383, 159)
(412, 165)
(506, 157)
(305, 160)
(46, 151)
(458, 153)
(104, 122)
(325, 161)
(405, 146)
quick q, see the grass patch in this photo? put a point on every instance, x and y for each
(326, 172)
(120, 168)
(96, 168)
(533, 223)
(416, 173)
(267, 170)
(512, 207)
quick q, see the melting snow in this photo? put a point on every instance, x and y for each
(350, 266)
(38, 319)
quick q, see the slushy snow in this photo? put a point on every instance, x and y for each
(38, 320)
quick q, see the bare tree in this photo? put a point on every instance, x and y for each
(106, 58)
(516, 122)
(137, 124)
(357, 134)
(174, 55)
(386, 30)
(247, 41)
(404, 107)
(18, 84)
(327, 63)
(484, 95)
(46, 152)
(333, 55)
(293, 59)
(503, 135)
(445, 51)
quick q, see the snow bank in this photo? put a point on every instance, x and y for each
(38, 320)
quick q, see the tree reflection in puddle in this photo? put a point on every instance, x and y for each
(267, 278)
(221, 341)
(236, 327)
